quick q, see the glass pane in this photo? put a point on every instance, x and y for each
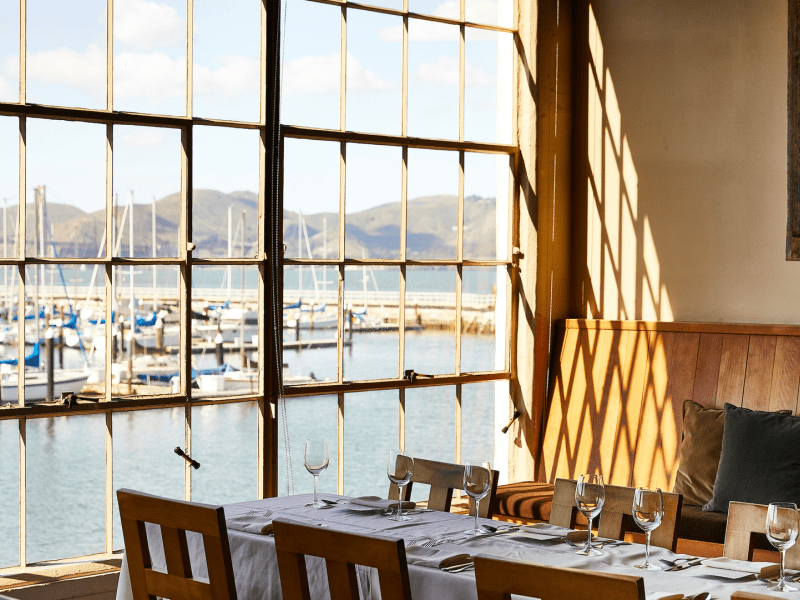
(66, 461)
(225, 204)
(150, 56)
(433, 79)
(480, 334)
(311, 198)
(66, 178)
(226, 53)
(66, 53)
(301, 427)
(9, 181)
(485, 206)
(449, 9)
(229, 470)
(309, 324)
(431, 427)
(147, 361)
(430, 304)
(143, 455)
(477, 422)
(9, 53)
(366, 447)
(9, 493)
(488, 86)
(432, 204)
(225, 310)
(312, 65)
(147, 170)
(62, 307)
(491, 12)
(371, 299)
(374, 68)
(372, 217)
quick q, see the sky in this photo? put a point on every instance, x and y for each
(66, 65)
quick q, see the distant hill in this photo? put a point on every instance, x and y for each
(374, 232)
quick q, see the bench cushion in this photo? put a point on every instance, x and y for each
(524, 500)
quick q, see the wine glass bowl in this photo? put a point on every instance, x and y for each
(782, 529)
(590, 494)
(648, 511)
(316, 459)
(477, 483)
(400, 470)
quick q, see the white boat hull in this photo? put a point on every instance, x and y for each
(36, 385)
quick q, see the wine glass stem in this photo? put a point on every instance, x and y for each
(477, 506)
(647, 549)
(589, 538)
(315, 490)
(399, 500)
(781, 581)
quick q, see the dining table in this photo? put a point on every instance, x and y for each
(256, 570)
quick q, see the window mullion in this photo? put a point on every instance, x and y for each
(110, 55)
(23, 493)
(189, 56)
(343, 71)
(22, 58)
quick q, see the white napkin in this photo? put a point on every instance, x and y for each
(547, 529)
(250, 524)
(435, 557)
(764, 569)
(382, 503)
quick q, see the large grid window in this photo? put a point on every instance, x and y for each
(141, 137)
(398, 164)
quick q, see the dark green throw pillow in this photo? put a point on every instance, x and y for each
(760, 462)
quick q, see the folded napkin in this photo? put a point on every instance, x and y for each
(562, 532)
(437, 558)
(382, 503)
(762, 569)
(250, 524)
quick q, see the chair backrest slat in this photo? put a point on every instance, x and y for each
(175, 518)
(618, 504)
(745, 520)
(342, 551)
(443, 478)
(497, 579)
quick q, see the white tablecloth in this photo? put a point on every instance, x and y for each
(256, 570)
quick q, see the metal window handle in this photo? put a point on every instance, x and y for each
(517, 414)
(187, 458)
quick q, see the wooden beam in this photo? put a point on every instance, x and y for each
(793, 134)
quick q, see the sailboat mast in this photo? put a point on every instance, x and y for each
(300, 252)
(130, 253)
(230, 245)
(5, 255)
(155, 253)
(39, 201)
(241, 334)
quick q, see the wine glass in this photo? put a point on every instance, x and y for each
(400, 469)
(477, 483)
(782, 528)
(316, 460)
(589, 497)
(648, 510)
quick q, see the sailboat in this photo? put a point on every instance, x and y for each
(36, 381)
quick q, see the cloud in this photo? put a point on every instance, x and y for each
(153, 76)
(147, 25)
(144, 137)
(7, 91)
(236, 75)
(320, 75)
(444, 71)
(82, 71)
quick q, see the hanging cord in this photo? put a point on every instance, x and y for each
(277, 246)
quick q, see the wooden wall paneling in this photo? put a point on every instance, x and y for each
(708, 358)
(607, 382)
(733, 363)
(648, 459)
(682, 375)
(785, 374)
(569, 381)
(634, 376)
(758, 375)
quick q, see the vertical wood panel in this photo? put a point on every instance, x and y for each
(785, 374)
(569, 383)
(634, 374)
(732, 366)
(707, 376)
(648, 467)
(758, 378)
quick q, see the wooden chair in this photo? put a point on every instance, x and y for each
(615, 518)
(745, 522)
(444, 478)
(750, 596)
(175, 518)
(341, 551)
(497, 579)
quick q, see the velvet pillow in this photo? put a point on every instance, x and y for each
(760, 462)
(700, 449)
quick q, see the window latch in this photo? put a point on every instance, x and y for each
(411, 375)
